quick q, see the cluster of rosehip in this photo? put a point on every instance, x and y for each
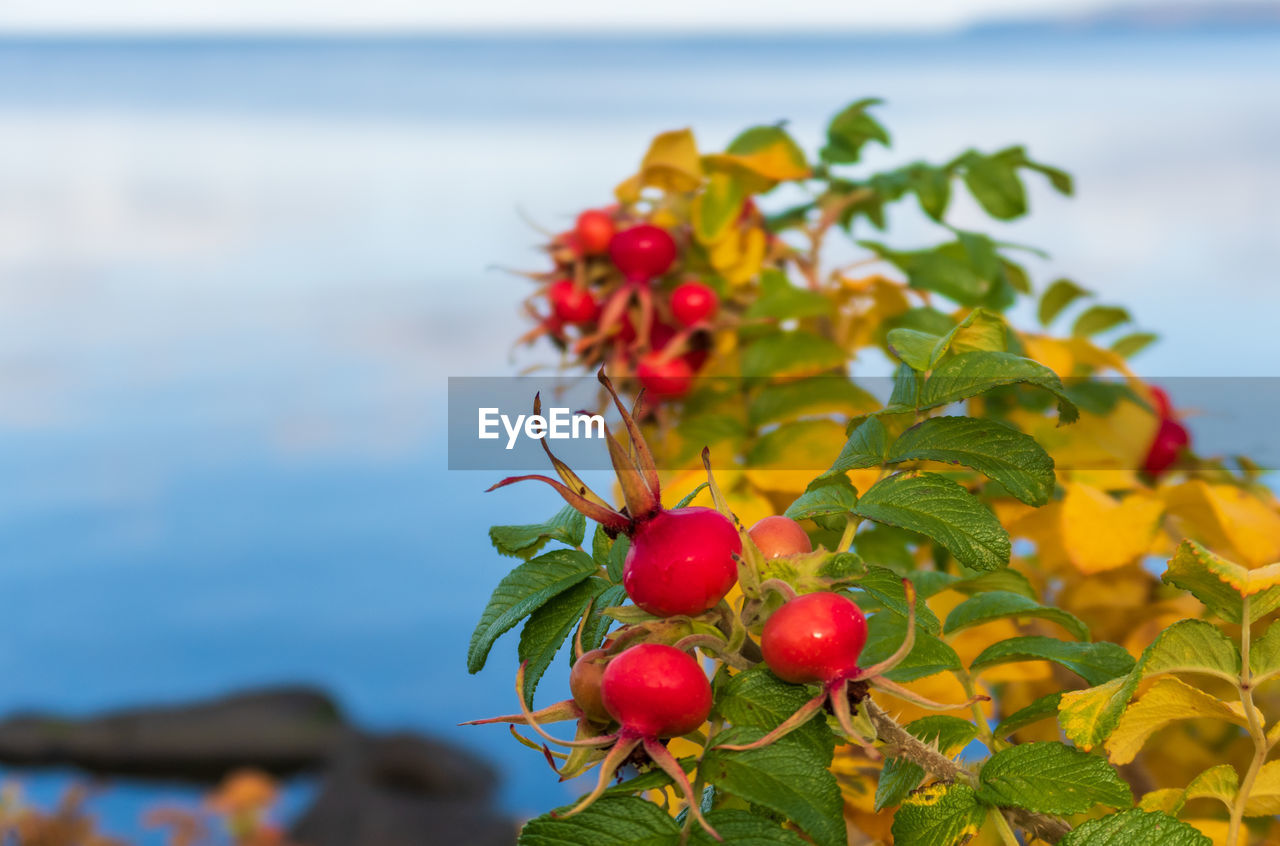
(645, 685)
(1171, 436)
(604, 305)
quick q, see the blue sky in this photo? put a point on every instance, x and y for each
(487, 15)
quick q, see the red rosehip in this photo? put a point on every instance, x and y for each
(642, 252)
(654, 690)
(665, 378)
(693, 302)
(584, 684)
(594, 231)
(682, 561)
(780, 536)
(1171, 438)
(816, 637)
(572, 304)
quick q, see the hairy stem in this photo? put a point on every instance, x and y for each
(909, 747)
(1256, 730)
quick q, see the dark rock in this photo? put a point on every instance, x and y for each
(281, 731)
(402, 790)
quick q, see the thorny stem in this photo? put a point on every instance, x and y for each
(905, 745)
(1260, 744)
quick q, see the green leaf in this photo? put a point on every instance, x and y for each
(850, 130)
(1059, 295)
(1059, 179)
(780, 300)
(912, 346)
(932, 186)
(1093, 662)
(621, 819)
(935, 506)
(521, 592)
(1006, 579)
(948, 269)
(618, 558)
(1131, 345)
(1221, 584)
(795, 353)
(1264, 654)
(899, 776)
(1192, 646)
(1044, 708)
(567, 526)
(998, 604)
(601, 543)
(743, 828)
(549, 626)
(886, 590)
(598, 623)
(1051, 778)
(758, 699)
(939, 815)
(995, 184)
(1001, 453)
(865, 448)
(929, 655)
(824, 498)
(805, 397)
(970, 374)
(1097, 319)
(1149, 828)
(787, 777)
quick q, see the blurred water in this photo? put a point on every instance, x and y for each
(235, 275)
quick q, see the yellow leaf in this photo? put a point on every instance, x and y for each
(1220, 782)
(1085, 714)
(1217, 830)
(738, 255)
(671, 164)
(865, 305)
(1264, 798)
(1228, 519)
(1100, 450)
(1053, 353)
(1167, 799)
(1167, 701)
(1101, 533)
(761, 157)
(786, 462)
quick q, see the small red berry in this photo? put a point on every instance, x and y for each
(780, 536)
(682, 561)
(816, 637)
(584, 684)
(665, 378)
(642, 252)
(654, 690)
(594, 231)
(693, 302)
(572, 304)
(1171, 438)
